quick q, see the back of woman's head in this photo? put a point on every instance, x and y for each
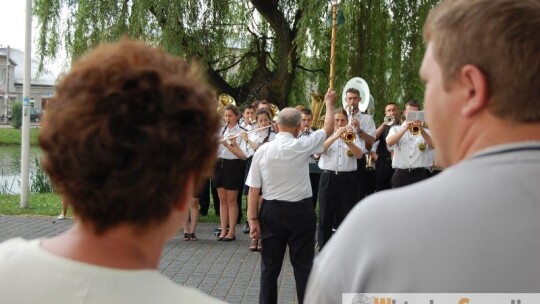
(128, 127)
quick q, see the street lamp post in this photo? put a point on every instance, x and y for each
(25, 138)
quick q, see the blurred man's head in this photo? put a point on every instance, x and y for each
(482, 62)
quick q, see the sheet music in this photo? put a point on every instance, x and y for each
(415, 116)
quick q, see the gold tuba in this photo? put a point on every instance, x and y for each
(317, 106)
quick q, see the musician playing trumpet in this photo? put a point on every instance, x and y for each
(382, 156)
(411, 158)
(338, 182)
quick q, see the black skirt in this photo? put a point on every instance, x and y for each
(229, 174)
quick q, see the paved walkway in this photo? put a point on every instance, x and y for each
(225, 270)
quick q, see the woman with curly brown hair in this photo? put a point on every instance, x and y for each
(127, 140)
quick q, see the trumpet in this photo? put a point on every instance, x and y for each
(235, 136)
(348, 136)
(389, 120)
(415, 128)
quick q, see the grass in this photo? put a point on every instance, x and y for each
(47, 204)
(12, 136)
(50, 205)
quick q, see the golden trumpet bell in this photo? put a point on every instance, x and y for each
(348, 137)
(414, 129)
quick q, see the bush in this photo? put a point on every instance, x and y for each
(16, 115)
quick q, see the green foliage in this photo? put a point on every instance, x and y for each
(39, 180)
(257, 49)
(16, 114)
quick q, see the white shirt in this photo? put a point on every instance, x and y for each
(281, 167)
(335, 158)
(473, 228)
(246, 126)
(225, 132)
(29, 274)
(257, 137)
(367, 125)
(316, 154)
(408, 151)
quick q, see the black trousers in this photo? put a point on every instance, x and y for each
(314, 179)
(370, 182)
(204, 198)
(285, 223)
(361, 178)
(383, 174)
(404, 177)
(338, 195)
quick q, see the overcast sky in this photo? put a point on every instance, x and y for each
(12, 23)
(12, 30)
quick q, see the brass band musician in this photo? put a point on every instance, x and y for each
(411, 158)
(338, 183)
(364, 128)
(383, 158)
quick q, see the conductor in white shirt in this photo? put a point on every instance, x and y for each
(287, 216)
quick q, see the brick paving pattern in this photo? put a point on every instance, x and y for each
(225, 270)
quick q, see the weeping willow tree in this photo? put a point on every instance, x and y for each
(258, 49)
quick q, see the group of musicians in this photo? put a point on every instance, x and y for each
(339, 172)
(400, 152)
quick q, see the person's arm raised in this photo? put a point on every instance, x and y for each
(330, 101)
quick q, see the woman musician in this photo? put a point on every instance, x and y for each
(229, 172)
(253, 141)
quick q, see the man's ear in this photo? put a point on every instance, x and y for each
(475, 89)
(183, 201)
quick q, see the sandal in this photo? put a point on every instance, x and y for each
(192, 237)
(186, 236)
(254, 245)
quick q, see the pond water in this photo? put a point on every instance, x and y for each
(10, 167)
